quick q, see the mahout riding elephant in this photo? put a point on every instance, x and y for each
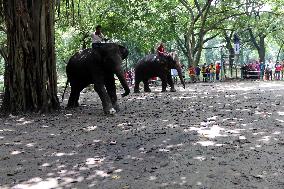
(97, 66)
(153, 66)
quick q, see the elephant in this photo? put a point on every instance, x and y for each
(97, 66)
(153, 66)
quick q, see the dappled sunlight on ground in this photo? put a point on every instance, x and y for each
(213, 135)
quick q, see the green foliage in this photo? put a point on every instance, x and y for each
(183, 25)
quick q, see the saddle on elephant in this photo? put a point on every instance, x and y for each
(165, 57)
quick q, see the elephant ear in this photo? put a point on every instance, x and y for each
(170, 59)
(110, 48)
(174, 56)
(123, 52)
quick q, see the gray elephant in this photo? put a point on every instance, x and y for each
(97, 66)
(153, 66)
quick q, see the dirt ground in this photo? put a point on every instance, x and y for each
(209, 135)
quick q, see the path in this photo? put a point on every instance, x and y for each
(219, 135)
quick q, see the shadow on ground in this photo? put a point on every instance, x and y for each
(219, 135)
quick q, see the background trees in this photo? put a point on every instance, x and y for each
(186, 26)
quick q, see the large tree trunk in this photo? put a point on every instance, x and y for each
(230, 48)
(279, 51)
(261, 49)
(30, 75)
(259, 46)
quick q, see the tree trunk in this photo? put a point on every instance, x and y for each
(261, 50)
(279, 51)
(30, 75)
(260, 47)
(231, 50)
(231, 61)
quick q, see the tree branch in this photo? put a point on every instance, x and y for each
(198, 7)
(187, 6)
(210, 38)
(181, 46)
(253, 39)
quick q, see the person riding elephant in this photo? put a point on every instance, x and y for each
(97, 66)
(147, 68)
(161, 51)
(98, 37)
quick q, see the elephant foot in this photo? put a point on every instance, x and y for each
(147, 90)
(163, 91)
(72, 105)
(110, 111)
(136, 89)
(126, 93)
(76, 104)
(69, 107)
(173, 90)
(116, 107)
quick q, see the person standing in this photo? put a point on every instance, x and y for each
(282, 70)
(278, 69)
(197, 72)
(191, 73)
(218, 69)
(130, 76)
(271, 68)
(267, 72)
(262, 69)
(174, 75)
(212, 72)
(208, 72)
(204, 74)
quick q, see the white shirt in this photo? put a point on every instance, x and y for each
(97, 38)
(174, 72)
(271, 65)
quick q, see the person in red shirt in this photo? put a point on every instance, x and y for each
(278, 68)
(218, 68)
(161, 49)
(191, 73)
(160, 52)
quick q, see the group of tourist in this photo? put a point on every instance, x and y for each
(209, 72)
(269, 71)
(129, 75)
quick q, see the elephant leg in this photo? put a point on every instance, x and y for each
(76, 88)
(111, 90)
(164, 83)
(106, 102)
(170, 82)
(72, 98)
(146, 86)
(136, 86)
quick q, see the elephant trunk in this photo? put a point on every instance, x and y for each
(180, 76)
(120, 76)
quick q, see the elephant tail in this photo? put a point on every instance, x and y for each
(66, 85)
